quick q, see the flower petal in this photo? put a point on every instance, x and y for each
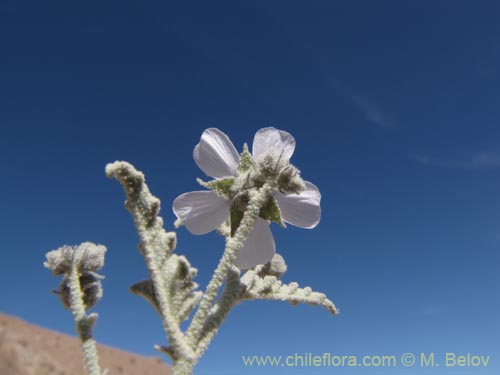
(267, 138)
(259, 247)
(201, 211)
(302, 210)
(216, 154)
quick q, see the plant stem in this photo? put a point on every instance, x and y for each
(144, 208)
(183, 366)
(232, 294)
(84, 323)
(233, 246)
(169, 321)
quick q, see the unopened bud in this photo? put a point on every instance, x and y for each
(289, 180)
(90, 284)
(275, 267)
(87, 257)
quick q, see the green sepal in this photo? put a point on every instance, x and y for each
(236, 217)
(246, 161)
(220, 187)
(271, 211)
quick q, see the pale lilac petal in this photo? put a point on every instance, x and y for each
(216, 154)
(201, 211)
(268, 138)
(302, 210)
(259, 247)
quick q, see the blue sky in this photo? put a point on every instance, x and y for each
(396, 110)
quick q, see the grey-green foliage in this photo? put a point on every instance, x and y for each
(80, 290)
(171, 288)
(166, 270)
(181, 289)
(87, 259)
(268, 287)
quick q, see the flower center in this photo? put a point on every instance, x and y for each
(271, 162)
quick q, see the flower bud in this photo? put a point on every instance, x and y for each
(90, 284)
(289, 180)
(275, 267)
(87, 257)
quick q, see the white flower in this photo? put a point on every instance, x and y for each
(204, 211)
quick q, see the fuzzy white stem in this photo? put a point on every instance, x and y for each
(231, 295)
(170, 322)
(155, 244)
(83, 323)
(233, 246)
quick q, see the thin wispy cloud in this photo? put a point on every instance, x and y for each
(369, 109)
(482, 160)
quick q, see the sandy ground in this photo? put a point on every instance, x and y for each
(26, 349)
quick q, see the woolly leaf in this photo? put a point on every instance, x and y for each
(246, 161)
(271, 211)
(270, 288)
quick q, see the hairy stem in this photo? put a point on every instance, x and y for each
(232, 293)
(183, 366)
(84, 323)
(155, 244)
(233, 246)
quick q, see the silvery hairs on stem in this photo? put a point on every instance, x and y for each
(247, 193)
(80, 290)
